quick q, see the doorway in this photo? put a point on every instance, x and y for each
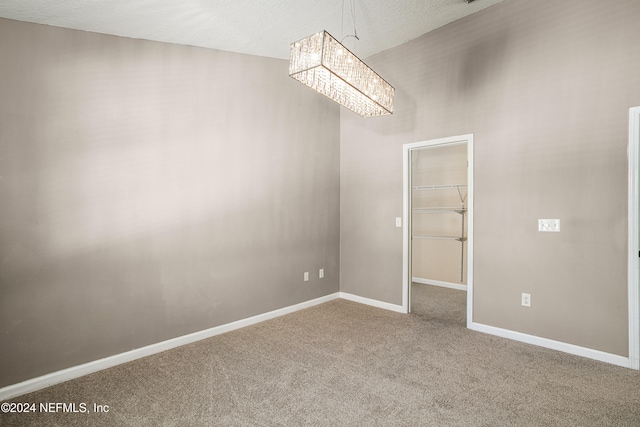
(438, 218)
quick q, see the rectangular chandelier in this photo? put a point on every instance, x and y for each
(322, 63)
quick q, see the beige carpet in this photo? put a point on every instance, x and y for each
(347, 364)
(435, 303)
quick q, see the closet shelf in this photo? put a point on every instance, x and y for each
(439, 210)
(461, 189)
(458, 238)
(438, 187)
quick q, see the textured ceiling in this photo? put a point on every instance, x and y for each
(257, 27)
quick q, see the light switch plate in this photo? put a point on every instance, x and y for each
(398, 222)
(549, 225)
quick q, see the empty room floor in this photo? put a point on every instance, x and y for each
(344, 363)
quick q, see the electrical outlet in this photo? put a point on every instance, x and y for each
(321, 273)
(526, 300)
(549, 225)
(306, 276)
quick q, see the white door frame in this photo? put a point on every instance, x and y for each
(633, 151)
(406, 215)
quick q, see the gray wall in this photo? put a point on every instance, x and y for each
(150, 190)
(545, 88)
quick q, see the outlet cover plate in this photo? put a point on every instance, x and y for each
(549, 225)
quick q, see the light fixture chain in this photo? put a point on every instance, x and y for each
(353, 18)
(352, 10)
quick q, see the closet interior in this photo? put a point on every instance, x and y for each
(439, 215)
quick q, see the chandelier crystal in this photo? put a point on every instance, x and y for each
(322, 63)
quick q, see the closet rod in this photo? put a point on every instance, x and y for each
(459, 239)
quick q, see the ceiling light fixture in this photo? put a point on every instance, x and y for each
(325, 65)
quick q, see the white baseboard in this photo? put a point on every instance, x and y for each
(372, 302)
(57, 377)
(449, 285)
(589, 353)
